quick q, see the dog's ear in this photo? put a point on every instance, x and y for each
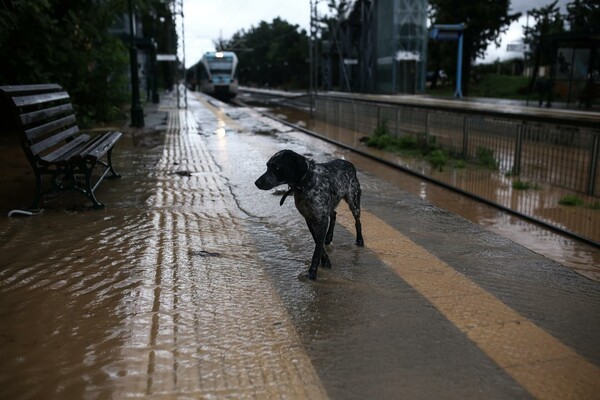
(299, 166)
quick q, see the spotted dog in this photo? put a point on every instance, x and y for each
(318, 189)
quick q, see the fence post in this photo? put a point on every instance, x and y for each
(397, 121)
(593, 165)
(465, 143)
(516, 169)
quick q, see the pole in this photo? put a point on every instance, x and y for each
(458, 92)
(185, 105)
(137, 112)
(311, 61)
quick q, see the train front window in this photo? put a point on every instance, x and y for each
(221, 66)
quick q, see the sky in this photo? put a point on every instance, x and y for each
(207, 20)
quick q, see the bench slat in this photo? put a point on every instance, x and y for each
(65, 152)
(53, 140)
(100, 147)
(90, 145)
(49, 127)
(41, 115)
(34, 99)
(13, 90)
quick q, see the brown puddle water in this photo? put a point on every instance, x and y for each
(143, 298)
(541, 203)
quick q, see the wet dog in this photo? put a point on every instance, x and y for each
(317, 189)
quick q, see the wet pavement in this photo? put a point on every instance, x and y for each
(190, 285)
(540, 203)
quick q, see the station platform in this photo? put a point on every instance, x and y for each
(503, 108)
(190, 284)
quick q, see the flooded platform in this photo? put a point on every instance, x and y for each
(189, 284)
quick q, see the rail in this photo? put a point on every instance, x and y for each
(555, 148)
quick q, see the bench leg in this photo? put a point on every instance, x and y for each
(110, 166)
(86, 187)
(38, 191)
(89, 190)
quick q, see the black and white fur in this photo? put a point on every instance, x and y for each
(318, 189)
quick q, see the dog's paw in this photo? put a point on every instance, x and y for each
(360, 242)
(312, 275)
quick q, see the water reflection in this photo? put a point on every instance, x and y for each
(541, 203)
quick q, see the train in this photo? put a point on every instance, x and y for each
(215, 74)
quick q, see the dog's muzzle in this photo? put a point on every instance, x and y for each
(266, 181)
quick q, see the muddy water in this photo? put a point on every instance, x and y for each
(190, 285)
(160, 295)
(541, 203)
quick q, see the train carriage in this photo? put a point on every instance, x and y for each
(215, 74)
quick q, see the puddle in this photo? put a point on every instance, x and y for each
(541, 203)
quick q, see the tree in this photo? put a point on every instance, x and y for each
(272, 54)
(485, 20)
(338, 10)
(583, 16)
(70, 43)
(547, 21)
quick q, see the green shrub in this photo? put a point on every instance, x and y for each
(486, 158)
(438, 159)
(407, 142)
(571, 200)
(460, 164)
(523, 185)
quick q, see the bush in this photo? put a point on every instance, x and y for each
(438, 159)
(67, 43)
(486, 158)
(523, 185)
(70, 43)
(571, 200)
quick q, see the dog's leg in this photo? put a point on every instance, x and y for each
(325, 260)
(319, 231)
(353, 201)
(324, 257)
(329, 236)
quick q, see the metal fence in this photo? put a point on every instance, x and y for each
(564, 155)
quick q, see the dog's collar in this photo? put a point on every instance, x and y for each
(286, 194)
(297, 186)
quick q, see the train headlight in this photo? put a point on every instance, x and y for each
(219, 54)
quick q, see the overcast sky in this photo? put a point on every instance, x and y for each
(207, 20)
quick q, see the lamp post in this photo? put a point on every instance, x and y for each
(312, 51)
(137, 112)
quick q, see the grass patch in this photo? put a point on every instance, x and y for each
(438, 159)
(485, 157)
(407, 145)
(571, 200)
(460, 164)
(502, 87)
(491, 85)
(523, 185)
(594, 205)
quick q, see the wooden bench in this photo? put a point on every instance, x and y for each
(43, 117)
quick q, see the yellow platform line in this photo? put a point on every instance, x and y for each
(539, 362)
